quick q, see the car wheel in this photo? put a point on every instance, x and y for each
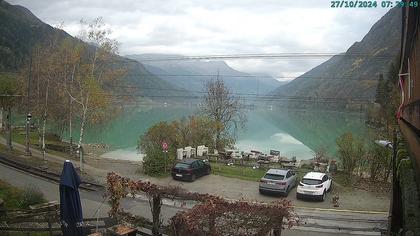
(261, 192)
(323, 196)
(287, 191)
(329, 190)
(193, 177)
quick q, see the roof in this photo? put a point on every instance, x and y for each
(314, 175)
(277, 171)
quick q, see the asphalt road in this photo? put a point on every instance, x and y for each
(314, 222)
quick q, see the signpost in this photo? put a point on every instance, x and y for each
(28, 120)
(165, 151)
(165, 146)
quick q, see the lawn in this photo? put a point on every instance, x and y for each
(15, 198)
(247, 173)
(10, 195)
(18, 136)
(240, 172)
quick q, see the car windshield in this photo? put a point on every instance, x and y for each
(311, 181)
(274, 177)
(182, 165)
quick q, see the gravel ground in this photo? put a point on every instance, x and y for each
(97, 168)
(350, 199)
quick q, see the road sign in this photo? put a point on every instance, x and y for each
(165, 146)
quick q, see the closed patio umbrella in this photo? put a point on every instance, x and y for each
(71, 216)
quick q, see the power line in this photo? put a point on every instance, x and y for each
(295, 55)
(238, 96)
(257, 76)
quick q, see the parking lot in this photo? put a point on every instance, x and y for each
(350, 199)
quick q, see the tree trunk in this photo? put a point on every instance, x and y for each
(9, 128)
(44, 124)
(1, 119)
(71, 110)
(156, 208)
(277, 232)
(82, 129)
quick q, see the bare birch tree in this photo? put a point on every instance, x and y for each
(92, 72)
(225, 110)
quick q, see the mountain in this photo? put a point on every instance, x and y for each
(20, 30)
(192, 74)
(355, 73)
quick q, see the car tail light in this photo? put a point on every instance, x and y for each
(281, 183)
(300, 184)
(319, 186)
(188, 170)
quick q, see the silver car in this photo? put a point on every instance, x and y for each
(278, 181)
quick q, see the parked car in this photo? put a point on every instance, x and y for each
(190, 169)
(314, 185)
(278, 181)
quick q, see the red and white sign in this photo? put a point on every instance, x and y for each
(165, 146)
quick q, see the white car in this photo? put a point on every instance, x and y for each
(314, 185)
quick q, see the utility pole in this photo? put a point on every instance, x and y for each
(28, 115)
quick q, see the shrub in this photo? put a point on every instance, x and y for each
(31, 195)
(191, 131)
(351, 152)
(378, 162)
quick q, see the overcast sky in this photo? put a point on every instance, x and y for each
(208, 27)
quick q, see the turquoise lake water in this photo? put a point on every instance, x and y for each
(292, 132)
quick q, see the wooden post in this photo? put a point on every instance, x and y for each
(50, 226)
(156, 207)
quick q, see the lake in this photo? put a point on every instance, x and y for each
(292, 132)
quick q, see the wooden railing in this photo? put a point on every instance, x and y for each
(43, 218)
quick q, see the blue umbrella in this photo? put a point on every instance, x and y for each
(71, 216)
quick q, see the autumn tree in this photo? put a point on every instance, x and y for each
(378, 159)
(224, 110)
(191, 131)
(90, 75)
(350, 151)
(45, 98)
(194, 131)
(150, 144)
(8, 98)
(388, 97)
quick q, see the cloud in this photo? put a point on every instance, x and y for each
(202, 27)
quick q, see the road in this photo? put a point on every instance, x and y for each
(314, 222)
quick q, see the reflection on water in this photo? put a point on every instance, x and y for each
(293, 133)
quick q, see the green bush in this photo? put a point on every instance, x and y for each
(155, 163)
(31, 195)
(191, 131)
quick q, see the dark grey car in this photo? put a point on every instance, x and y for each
(278, 181)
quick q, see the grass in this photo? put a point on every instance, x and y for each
(240, 172)
(247, 173)
(19, 136)
(12, 198)
(10, 195)
(15, 198)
